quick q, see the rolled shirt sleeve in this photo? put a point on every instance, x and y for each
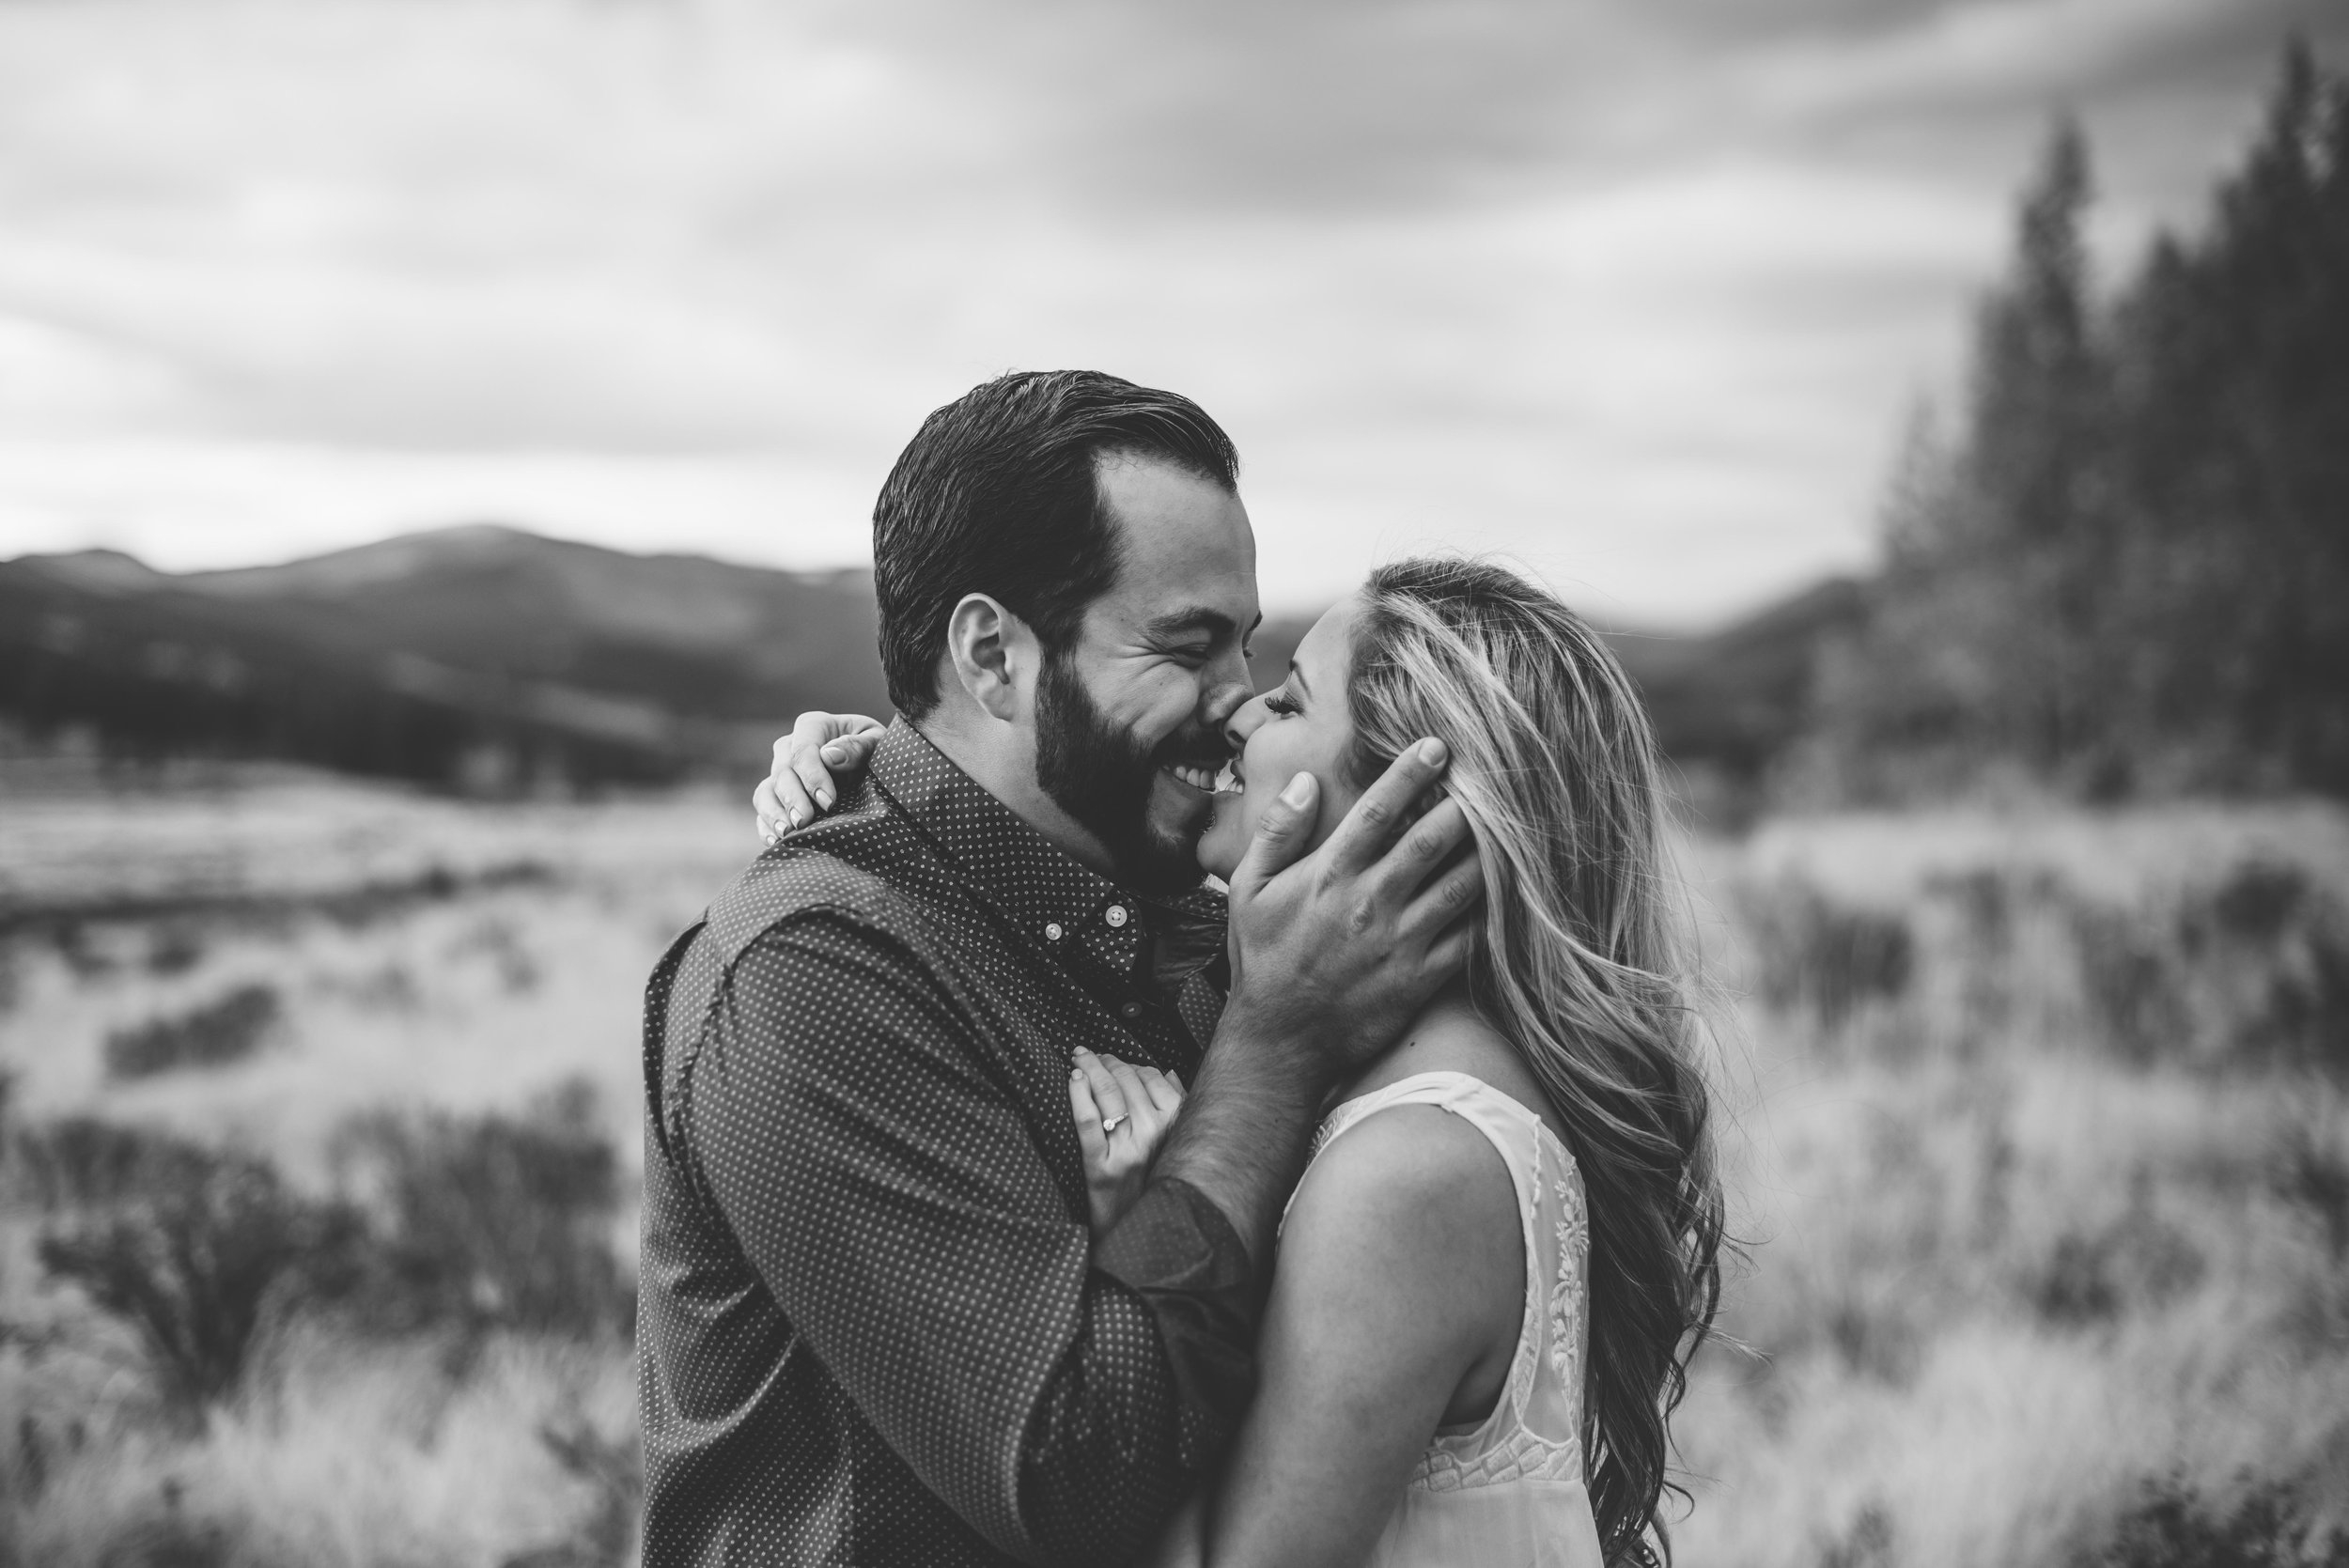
(863, 1137)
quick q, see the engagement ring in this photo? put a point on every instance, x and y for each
(1111, 1124)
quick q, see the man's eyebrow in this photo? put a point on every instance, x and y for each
(1196, 617)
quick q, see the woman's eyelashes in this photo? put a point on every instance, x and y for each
(1278, 701)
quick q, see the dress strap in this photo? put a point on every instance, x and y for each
(1510, 1125)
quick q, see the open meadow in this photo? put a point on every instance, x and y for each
(317, 1190)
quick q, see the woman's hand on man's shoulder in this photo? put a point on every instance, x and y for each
(823, 758)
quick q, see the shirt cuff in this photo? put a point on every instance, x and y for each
(1175, 1249)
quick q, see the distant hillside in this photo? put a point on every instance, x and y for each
(1729, 701)
(493, 660)
(1725, 703)
(482, 658)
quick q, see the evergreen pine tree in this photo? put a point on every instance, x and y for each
(2131, 569)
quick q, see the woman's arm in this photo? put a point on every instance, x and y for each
(1396, 1305)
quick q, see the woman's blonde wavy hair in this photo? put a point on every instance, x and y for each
(1556, 766)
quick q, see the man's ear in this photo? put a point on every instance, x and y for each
(994, 655)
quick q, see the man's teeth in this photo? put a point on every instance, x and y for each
(1206, 780)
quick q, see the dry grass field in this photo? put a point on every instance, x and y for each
(317, 1193)
(2041, 1149)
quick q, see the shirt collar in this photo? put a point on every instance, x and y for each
(1056, 899)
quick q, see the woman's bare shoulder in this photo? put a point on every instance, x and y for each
(1409, 1201)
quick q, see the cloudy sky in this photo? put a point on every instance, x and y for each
(1635, 293)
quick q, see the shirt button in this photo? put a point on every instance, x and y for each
(1116, 916)
(1052, 932)
(1131, 1010)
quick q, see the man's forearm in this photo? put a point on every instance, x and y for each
(1242, 1135)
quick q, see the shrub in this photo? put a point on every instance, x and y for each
(2140, 1260)
(491, 1222)
(1828, 959)
(2172, 1526)
(2270, 924)
(194, 1248)
(2252, 965)
(81, 1162)
(613, 1473)
(213, 1036)
(2131, 982)
(174, 948)
(1868, 1543)
(2313, 1174)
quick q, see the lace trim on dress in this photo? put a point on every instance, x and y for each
(1566, 1326)
(1522, 1455)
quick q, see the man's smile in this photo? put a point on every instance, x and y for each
(1206, 778)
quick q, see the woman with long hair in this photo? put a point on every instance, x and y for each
(1506, 1245)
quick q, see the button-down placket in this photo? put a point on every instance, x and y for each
(1104, 934)
(1115, 939)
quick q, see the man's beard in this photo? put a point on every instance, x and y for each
(1102, 776)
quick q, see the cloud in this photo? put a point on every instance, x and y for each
(1633, 292)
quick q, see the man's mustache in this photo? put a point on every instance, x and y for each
(1197, 750)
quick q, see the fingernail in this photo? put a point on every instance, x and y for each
(1074, 1074)
(1299, 790)
(1431, 753)
(794, 814)
(1080, 1050)
(831, 754)
(823, 798)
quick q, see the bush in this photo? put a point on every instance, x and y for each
(1824, 957)
(214, 1035)
(194, 1248)
(2313, 1174)
(2252, 965)
(491, 1221)
(613, 1474)
(2172, 1526)
(80, 1163)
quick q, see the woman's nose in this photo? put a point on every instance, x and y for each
(1245, 721)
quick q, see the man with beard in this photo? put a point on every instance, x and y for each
(874, 1327)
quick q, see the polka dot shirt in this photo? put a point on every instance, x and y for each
(872, 1329)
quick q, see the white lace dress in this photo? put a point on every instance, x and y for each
(1507, 1491)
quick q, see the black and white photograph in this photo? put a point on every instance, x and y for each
(946, 784)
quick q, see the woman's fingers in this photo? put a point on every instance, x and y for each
(793, 805)
(1108, 1095)
(1135, 1094)
(1087, 1113)
(1164, 1089)
(765, 809)
(800, 755)
(853, 749)
(774, 819)
(821, 742)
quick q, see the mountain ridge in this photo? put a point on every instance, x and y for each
(487, 658)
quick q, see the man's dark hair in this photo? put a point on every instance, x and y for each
(996, 495)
